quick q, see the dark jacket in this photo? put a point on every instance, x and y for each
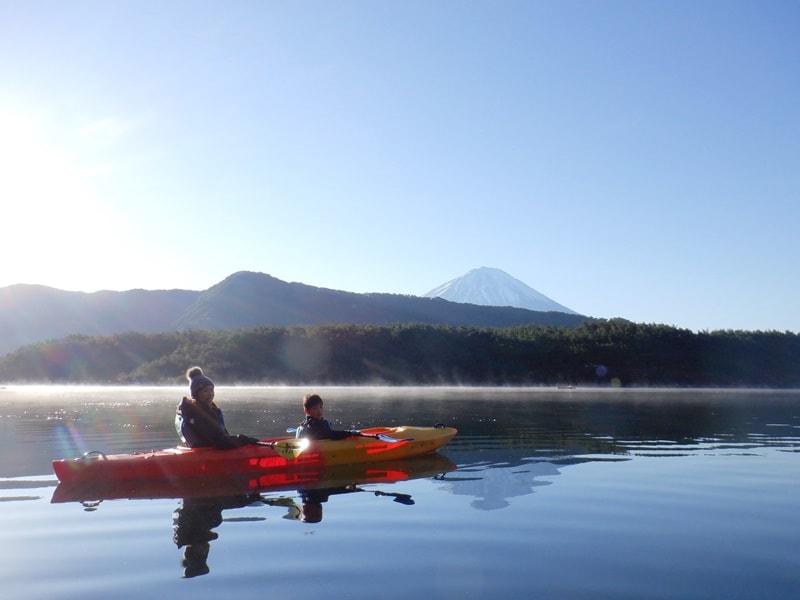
(201, 426)
(320, 429)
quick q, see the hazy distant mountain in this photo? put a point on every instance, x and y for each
(30, 313)
(35, 313)
(492, 287)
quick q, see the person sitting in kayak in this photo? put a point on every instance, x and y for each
(199, 420)
(315, 426)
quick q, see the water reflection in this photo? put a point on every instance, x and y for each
(542, 504)
(508, 448)
(302, 495)
(194, 522)
(313, 499)
(548, 425)
(492, 475)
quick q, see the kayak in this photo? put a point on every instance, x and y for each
(281, 454)
(276, 480)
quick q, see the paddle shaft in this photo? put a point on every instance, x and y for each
(378, 436)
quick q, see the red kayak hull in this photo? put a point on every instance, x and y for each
(183, 462)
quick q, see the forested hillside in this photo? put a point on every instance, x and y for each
(615, 352)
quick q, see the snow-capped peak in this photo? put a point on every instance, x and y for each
(492, 287)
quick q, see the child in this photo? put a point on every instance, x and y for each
(315, 426)
(199, 420)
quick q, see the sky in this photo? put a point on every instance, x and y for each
(626, 158)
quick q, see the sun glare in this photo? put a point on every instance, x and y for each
(50, 212)
(38, 183)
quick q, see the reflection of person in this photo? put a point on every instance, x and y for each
(312, 504)
(315, 426)
(312, 500)
(193, 523)
(199, 420)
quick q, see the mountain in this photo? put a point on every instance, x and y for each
(248, 299)
(34, 313)
(31, 313)
(492, 287)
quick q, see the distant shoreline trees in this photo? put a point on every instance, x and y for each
(601, 352)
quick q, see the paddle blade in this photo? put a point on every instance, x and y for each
(391, 440)
(290, 449)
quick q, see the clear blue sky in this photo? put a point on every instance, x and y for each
(636, 159)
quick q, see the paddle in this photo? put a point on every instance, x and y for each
(288, 449)
(398, 497)
(378, 436)
(401, 498)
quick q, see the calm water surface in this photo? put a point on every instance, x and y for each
(543, 494)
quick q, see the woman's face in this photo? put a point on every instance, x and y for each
(206, 394)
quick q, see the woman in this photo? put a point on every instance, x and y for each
(199, 420)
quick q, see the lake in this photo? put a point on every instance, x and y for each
(544, 493)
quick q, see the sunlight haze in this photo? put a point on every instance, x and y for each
(632, 159)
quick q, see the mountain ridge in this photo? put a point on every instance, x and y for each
(245, 299)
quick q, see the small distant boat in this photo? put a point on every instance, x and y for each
(273, 455)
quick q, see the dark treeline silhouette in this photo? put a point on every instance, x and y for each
(603, 352)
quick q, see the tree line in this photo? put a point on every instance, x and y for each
(600, 352)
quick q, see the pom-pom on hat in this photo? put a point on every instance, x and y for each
(197, 381)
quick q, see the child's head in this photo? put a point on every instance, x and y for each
(312, 405)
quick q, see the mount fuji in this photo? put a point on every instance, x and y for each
(492, 287)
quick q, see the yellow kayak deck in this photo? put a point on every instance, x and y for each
(410, 441)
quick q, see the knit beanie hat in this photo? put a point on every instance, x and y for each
(197, 381)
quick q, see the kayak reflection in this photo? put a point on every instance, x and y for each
(92, 493)
(204, 499)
